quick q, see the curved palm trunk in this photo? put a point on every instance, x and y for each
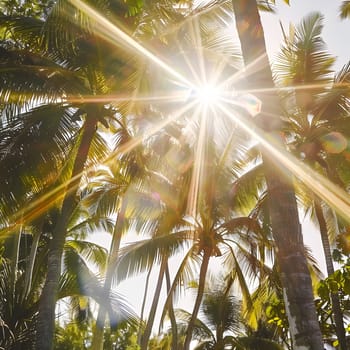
(286, 229)
(97, 340)
(200, 292)
(46, 317)
(147, 333)
(174, 341)
(336, 309)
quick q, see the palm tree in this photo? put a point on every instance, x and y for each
(220, 325)
(108, 195)
(316, 116)
(220, 317)
(55, 72)
(286, 230)
(206, 239)
(20, 299)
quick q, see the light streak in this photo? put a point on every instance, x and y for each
(109, 31)
(46, 201)
(174, 97)
(192, 202)
(321, 186)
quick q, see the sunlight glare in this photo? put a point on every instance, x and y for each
(207, 94)
(114, 35)
(321, 186)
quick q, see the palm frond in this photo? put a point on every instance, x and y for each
(93, 253)
(303, 58)
(140, 256)
(344, 10)
(200, 331)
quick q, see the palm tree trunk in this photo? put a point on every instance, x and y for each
(46, 317)
(97, 339)
(141, 330)
(286, 229)
(200, 292)
(147, 333)
(16, 242)
(336, 309)
(174, 342)
(31, 262)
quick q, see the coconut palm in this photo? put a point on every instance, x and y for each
(55, 70)
(317, 116)
(205, 240)
(285, 224)
(220, 326)
(20, 298)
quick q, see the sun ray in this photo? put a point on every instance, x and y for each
(193, 71)
(295, 87)
(47, 200)
(192, 202)
(199, 48)
(243, 73)
(114, 35)
(128, 146)
(321, 186)
(165, 98)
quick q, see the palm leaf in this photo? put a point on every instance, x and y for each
(345, 10)
(140, 256)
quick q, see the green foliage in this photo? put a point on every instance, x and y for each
(122, 338)
(72, 336)
(338, 283)
(276, 316)
(28, 8)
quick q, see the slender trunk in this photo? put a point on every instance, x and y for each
(46, 317)
(286, 229)
(97, 339)
(141, 330)
(16, 241)
(147, 333)
(174, 341)
(219, 337)
(336, 309)
(200, 292)
(31, 262)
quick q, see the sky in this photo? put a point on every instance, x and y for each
(335, 31)
(335, 35)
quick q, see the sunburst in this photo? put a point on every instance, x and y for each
(203, 91)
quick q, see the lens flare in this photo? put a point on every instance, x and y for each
(336, 197)
(334, 142)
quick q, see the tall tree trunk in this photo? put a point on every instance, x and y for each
(200, 292)
(144, 299)
(174, 342)
(46, 318)
(336, 309)
(31, 261)
(286, 229)
(97, 339)
(147, 333)
(142, 314)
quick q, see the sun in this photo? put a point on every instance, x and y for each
(207, 94)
